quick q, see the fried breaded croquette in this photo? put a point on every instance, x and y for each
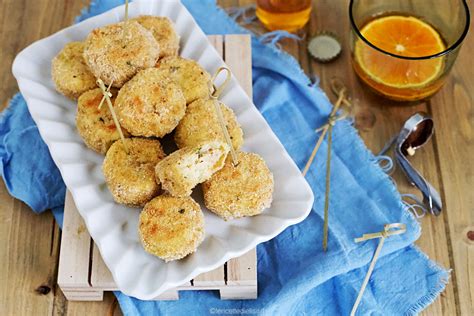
(131, 177)
(70, 73)
(200, 123)
(150, 104)
(181, 171)
(170, 227)
(163, 30)
(95, 126)
(188, 74)
(242, 190)
(116, 52)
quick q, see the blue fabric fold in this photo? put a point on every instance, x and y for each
(295, 275)
(26, 166)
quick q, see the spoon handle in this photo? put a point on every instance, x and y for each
(431, 197)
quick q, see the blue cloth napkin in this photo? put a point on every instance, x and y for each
(295, 275)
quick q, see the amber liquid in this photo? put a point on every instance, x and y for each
(395, 93)
(288, 15)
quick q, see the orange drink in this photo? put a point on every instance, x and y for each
(400, 79)
(406, 52)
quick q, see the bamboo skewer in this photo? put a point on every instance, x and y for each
(388, 230)
(112, 111)
(126, 11)
(339, 89)
(325, 129)
(108, 93)
(125, 20)
(215, 94)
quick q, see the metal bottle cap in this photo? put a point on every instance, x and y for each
(324, 47)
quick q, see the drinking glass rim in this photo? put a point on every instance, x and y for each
(444, 52)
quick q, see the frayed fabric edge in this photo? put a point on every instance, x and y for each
(435, 292)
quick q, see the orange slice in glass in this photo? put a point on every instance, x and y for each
(403, 36)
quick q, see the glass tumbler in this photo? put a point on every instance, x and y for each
(404, 49)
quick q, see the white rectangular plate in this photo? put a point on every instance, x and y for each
(114, 227)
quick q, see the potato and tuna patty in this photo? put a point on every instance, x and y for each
(115, 53)
(95, 125)
(181, 171)
(162, 29)
(170, 227)
(150, 104)
(131, 176)
(242, 190)
(200, 123)
(70, 73)
(188, 74)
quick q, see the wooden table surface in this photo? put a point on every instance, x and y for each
(29, 256)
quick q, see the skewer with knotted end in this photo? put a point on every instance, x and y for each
(216, 91)
(388, 230)
(339, 89)
(106, 94)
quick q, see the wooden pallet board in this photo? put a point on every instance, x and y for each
(82, 273)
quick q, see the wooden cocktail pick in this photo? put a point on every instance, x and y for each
(340, 90)
(125, 20)
(101, 85)
(126, 11)
(388, 230)
(103, 98)
(215, 94)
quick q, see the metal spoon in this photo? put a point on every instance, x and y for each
(416, 132)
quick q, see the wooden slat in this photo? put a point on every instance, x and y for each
(217, 41)
(84, 295)
(101, 277)
(452, 109)
(216, 276)
(238, 293)
(238, 56)
(74, 255)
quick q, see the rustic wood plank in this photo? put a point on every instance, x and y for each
(31, 242)
(74, 258)
(28, 258)
(452, 109)
(25, 21)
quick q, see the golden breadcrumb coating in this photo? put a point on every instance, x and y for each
(163, 30)
(70, 73)
(131, 177)
(200, 124)
(181, 171)
(242, 190)
(170, 227)
(95, 126)
(188, 74)
(150, 104)
(115, 53)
